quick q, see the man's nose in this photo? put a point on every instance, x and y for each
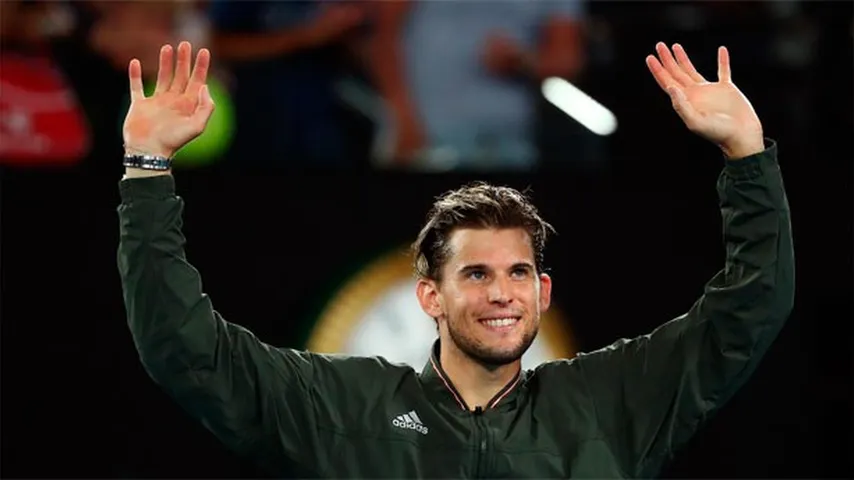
(499, 291)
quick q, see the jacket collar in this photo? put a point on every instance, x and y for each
(440, 387)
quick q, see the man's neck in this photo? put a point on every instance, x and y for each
(476, 383)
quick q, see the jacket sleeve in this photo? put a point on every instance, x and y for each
(651, 393)
(258, 400)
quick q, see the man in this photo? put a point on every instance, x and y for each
(620, 411)
(492, 55)
(284, 59)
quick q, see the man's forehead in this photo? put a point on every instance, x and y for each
(489, 245)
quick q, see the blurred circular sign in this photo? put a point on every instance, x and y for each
(376, 313)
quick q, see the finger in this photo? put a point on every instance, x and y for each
(200, 71)
(662, 77)
(182, 68)
(164, 71)
(135, 77)
(671, 66)
(684, 108)
(724, 74)
(686, 65)
(204, 108)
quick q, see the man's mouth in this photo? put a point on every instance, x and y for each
(502, 323)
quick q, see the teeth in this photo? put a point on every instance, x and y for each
(501, 322)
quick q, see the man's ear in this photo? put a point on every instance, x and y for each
(545, 292)
(428, 296)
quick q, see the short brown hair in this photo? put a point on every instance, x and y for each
(476, 205)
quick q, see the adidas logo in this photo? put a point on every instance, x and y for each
(410, 421)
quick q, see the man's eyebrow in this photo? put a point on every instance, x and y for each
(524, 265)
(472, 267)
(480, 266)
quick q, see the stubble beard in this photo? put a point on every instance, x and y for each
(491, 357)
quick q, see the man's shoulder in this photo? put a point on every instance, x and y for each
(357, 366)
(576, 363)
(552, 366)
(347, 387)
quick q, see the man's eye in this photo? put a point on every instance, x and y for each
(477, 275)
(520, 273)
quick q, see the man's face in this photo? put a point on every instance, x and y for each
(490, 298)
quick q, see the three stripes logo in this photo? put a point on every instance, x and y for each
(410, 421)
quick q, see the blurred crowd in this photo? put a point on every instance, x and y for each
(413, 84)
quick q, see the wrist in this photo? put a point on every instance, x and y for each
(151, 150)
(131, 172)
(743, 148)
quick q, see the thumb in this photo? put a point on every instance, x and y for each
(683, 107)
(204, 108)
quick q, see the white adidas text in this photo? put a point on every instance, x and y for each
(410, 421)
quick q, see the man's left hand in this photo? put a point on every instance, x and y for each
(717, 111)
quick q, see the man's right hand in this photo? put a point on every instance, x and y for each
(178, 110)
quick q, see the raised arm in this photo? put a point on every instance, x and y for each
(387, 64)
(650, 394)
(258, 400)
(333, 22)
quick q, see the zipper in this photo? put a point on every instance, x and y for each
(480, 442)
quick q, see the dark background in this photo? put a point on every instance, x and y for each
(637, 241)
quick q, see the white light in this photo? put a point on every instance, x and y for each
(578, 105)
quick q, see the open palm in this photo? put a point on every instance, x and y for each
(717, 111)
(177, 111)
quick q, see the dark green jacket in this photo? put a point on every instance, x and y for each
(619, 412)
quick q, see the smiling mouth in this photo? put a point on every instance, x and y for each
(500, 323)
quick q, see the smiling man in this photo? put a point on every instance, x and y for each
(621, 411)
(478, 259)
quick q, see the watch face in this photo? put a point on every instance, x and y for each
(376, 313)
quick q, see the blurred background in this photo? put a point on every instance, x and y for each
(337, 123)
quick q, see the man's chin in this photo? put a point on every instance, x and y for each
(498, 352)
(498, 357)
